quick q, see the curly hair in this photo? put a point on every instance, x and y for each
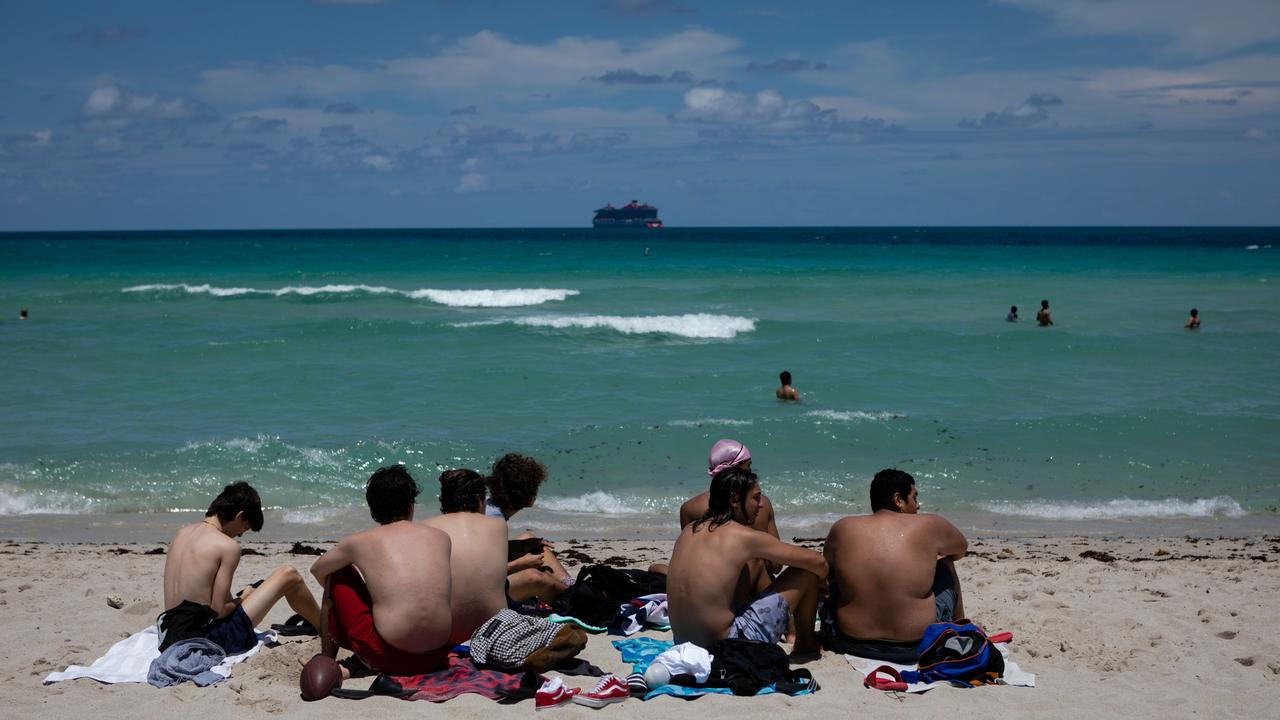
(461, 490)
(514, 481)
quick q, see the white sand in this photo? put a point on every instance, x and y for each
(1172, 628)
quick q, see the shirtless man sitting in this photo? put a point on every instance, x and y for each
(708, 561)
(387, 589)
(726, 454)
(478, 560)
(892, 574)
(198, 571)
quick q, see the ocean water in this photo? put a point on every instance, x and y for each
(157, 367)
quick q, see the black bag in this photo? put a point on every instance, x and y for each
(745, 666)
(600, 590)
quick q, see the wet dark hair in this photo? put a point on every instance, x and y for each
(726, 483)
(885, 484)
(238, 497)
(785, 377)
(1044, 303)
(390, 494)
(461, 491)
(1194, 312)
(514, 481)
(1014, 309)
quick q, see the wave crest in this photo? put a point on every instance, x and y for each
(512, 297)
(695, 325)
(1120, 508)
(853, 415)
(598, 502)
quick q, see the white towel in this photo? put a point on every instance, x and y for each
(1013, 675)
(129, 659)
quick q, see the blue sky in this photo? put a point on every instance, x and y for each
(359, 113)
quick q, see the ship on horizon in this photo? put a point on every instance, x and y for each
(633, 215)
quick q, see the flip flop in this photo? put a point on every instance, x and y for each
(295, 626)
(382, 685)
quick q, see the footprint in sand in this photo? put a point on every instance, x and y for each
(1228, 635)
(1245, 661)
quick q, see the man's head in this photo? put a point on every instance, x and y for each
(785, 377)
(1044, 304)
(1195, 312)
(1014, 309)
(726, 454)
(237, 502)
(461, 491)
(894, 490)
(735, 495)
(514, 482)
(390, 494)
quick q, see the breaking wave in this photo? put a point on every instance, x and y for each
(854, 415)
(502, 298)
(698, 325)
(1120, 508)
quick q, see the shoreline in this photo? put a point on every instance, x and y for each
(331, 524)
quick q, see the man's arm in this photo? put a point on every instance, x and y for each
(220, 597)
(951, 542)
(766, 546)
(338, 557)
(772, 528)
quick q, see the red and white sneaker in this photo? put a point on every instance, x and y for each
(609, 690)
(553, 693)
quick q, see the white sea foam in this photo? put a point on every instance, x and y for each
(597, 502)
(31, 502)
(513, 297)
(698, 325)
(1251, 247)
(854, 415)
(710, 421)
(309, 516)
(1119, 508)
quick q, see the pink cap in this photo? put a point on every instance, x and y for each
(726, 454)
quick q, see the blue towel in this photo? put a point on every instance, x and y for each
(191, 660)
(640, 652)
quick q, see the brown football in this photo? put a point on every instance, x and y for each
(319, 677)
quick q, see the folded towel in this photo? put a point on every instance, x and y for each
(130, 659)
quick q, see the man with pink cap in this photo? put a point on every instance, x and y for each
(726, 454)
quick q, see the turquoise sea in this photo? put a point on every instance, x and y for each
(158, 366)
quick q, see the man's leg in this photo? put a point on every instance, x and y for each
(800, 589)
(533, 583)
(285, 583)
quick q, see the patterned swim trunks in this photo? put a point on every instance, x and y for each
(762, 620)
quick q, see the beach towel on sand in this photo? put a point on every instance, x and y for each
(130, 659)
(640, 652)
(1013, 675)
(461, 677)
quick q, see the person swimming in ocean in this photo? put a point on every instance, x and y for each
(1043, 317)
(892, 574)
(786, 392)
(1013, 314)
(1193, 322)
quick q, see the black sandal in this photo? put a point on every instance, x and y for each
(295, 626)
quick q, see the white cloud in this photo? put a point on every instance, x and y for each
(485, 60)
(115, 106)
(1255, 134)
(1194, 26)
(381, 163)
(769, 111)
(473, 182)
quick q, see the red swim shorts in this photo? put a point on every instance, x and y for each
(351, 625)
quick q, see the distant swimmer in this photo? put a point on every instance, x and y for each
(1193, 322)
(22, 314)
(1013, 314)
(646, 252)
(1043, 316)
(786, 392)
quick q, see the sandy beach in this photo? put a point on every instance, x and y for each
(1111, 626)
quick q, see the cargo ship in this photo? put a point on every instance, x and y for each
(633, 215)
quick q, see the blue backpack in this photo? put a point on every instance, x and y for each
(956, 652)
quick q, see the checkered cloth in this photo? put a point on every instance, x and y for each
(506, 639)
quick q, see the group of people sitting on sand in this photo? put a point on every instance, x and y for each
(402, 594)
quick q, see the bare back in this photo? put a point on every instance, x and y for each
(405, 565)
(882, 566)
(478, 566)
(198, 567)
